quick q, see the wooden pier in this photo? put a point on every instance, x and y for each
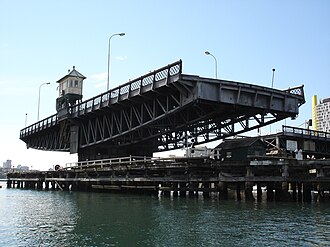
(280, 179)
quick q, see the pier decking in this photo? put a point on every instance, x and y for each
(285, 179)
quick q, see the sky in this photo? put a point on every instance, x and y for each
(41, 40)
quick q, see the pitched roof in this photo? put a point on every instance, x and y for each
(72, 73)
(238, 143)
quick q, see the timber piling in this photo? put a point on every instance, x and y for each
(271, 179)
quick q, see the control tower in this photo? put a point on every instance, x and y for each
(70, 92)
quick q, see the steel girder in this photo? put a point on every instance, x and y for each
(128, 121)
(165, 110)
(53, 138)
(174, 120)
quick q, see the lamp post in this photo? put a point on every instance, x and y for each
(116, 34)
(46, 83)
(216, 63)
(273, 77)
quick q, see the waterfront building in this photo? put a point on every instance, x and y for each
(321, 114)
(241, 148)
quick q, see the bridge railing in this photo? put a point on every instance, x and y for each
(306, 133)
(112, 95)
(113, 161)
(40, 125)
(299, 91)
(135, 85)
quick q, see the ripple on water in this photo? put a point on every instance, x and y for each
(48, 218)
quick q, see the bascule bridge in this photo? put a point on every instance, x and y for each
(162, 110)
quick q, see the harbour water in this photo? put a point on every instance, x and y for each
(56, 218)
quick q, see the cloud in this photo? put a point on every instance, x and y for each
(100, 84)
(121, 58)
(100, 77)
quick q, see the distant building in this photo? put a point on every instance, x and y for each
(22, 168)
(7, 164)
(321, 114)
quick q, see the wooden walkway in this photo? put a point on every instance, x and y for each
(284, 179)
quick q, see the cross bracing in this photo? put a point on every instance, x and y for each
(164, 110)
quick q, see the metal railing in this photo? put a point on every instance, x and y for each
(102, 163)
(299, 91)
(305, 133)
(40, 125)
(113, 95)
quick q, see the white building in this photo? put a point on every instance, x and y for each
(322, 115)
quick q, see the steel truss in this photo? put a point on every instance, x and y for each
(164, 110)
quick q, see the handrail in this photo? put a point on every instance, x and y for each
(305, 132)
(136, 84)
(42, 124)
(114, 161)
(299, 91)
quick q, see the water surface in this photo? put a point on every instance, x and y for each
(55, 218)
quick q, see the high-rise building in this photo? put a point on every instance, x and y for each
(7, 164)
(321, 114)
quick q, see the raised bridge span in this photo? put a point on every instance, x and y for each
(162, 110)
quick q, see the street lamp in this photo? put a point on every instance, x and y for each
(46, 83)
(116, 34)
(216, 64)
(273, 77)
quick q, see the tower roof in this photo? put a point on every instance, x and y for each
(72, 73)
